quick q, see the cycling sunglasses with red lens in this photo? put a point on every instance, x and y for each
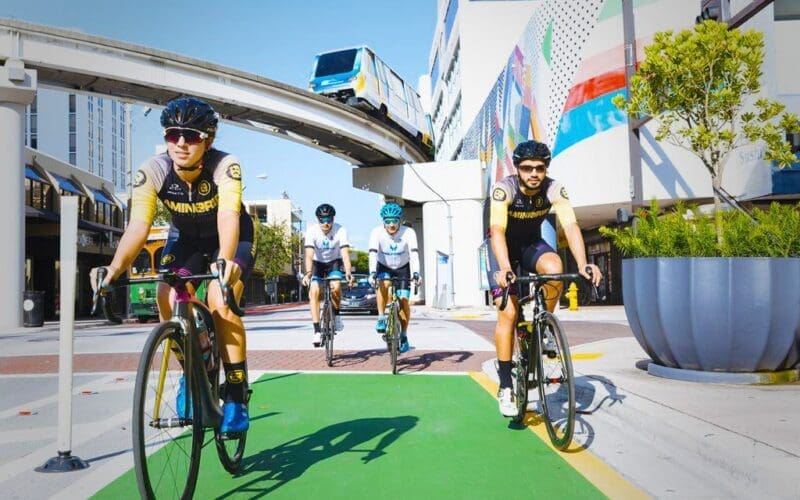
(190, 135)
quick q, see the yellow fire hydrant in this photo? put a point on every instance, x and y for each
(572, 295)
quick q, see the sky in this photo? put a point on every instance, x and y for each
(276, 39)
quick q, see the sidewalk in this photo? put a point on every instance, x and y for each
(670, 438)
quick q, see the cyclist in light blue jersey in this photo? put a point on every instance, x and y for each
(393, 253)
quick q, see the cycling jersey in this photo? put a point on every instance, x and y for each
(193, 207)
(521, 215)
(393, 250)
(327, 247)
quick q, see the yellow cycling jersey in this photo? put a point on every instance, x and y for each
(193, 207)
(521, 215)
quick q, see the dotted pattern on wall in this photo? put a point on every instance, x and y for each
(551, 49)
(558, 34)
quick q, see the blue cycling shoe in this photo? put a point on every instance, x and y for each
(380, 326)
(180, 400)
(403, 347)
(235, 417)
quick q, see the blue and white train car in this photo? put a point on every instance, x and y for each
(357, 77)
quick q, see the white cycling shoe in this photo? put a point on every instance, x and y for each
(506, 402)
(317, 339)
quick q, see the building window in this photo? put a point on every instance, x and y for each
(90, 129)
(33, 128)
(450, 19)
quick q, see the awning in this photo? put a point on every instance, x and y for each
(67, 185)
(101, 196)
(30, 173)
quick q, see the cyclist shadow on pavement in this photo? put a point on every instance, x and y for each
(288, 461)
(592, 393)
(357, 357)
(423, 361)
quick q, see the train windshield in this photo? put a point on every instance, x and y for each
(334, 63)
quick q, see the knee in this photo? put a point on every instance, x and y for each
(550, 265)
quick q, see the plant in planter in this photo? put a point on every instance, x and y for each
(691, 298)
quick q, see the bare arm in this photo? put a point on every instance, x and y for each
(228, 228)
(575, 240)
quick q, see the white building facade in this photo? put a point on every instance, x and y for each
(554, 81)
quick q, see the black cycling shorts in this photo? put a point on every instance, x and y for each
(191, 255)
(322, 270)
(525, 257)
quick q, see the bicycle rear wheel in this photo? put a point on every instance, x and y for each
(166, 441)
(393, 335)
(327, 332)
(556, 383)
(522, 374)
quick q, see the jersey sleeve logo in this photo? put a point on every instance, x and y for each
(499, 194)
(234, 172)
(140, 179)
(564, 193)
(204, 188)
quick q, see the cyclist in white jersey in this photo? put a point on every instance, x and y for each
(327, 252)
(393, 253)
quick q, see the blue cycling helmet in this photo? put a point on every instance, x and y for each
(391, 211)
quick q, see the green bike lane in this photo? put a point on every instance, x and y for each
(384, 436)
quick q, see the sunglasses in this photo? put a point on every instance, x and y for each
(325, 220)
(190, 135)
(392, 220)
(526, 169)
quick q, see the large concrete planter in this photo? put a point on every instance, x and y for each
(715, 314)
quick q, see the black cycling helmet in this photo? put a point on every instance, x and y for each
(325, 210)
(190, 112)
(531, 150)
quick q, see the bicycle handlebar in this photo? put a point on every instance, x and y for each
(542, 278)
(396, 280)
(170, 278)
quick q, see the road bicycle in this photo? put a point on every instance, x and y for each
(327, 320)
(542, 359)
(393, 325)
(181, 355)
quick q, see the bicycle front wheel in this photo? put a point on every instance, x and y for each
(328, 333)
(393, 335)
(556, 382)
(166, 439)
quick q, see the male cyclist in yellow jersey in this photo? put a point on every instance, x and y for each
(519, 204)
(202, 189)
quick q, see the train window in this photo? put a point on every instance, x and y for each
(334, 63)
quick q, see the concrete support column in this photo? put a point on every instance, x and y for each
(17, 90)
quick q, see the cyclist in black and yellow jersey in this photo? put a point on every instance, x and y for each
(201, 187)
(519, 204)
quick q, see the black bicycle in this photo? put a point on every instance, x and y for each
(327, 321)
(393, 325)
(178, 394)
(542, 359)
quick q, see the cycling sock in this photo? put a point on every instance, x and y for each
(504, 371)
(316, 328)
(235, 381)
(335, 311)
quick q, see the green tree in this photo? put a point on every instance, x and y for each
(360, 260)
(699, 84)
(274, 249)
